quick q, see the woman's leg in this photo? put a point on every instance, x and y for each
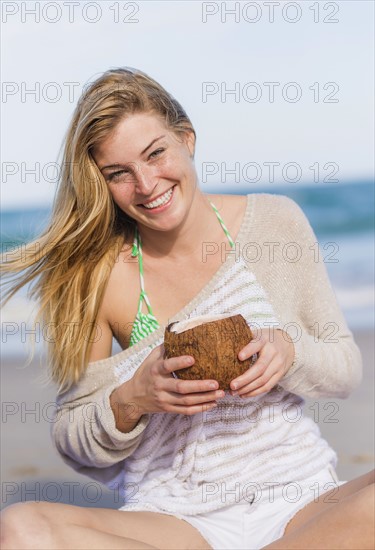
(49, 526)
(342, 518)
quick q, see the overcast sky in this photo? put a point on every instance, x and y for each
(318, 124)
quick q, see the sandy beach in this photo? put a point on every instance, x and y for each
(32, 470)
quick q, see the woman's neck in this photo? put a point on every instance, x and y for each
(199, 225)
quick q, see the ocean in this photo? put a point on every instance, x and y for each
(342, 216)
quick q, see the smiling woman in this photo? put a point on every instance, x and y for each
(153, 185)
(198, 467)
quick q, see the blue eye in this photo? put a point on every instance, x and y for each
(116, 175)
(157, 152)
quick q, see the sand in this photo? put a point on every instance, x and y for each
(31, 468)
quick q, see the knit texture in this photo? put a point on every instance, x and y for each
(183, 464)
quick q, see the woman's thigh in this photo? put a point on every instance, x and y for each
(160, 530)
(327, 500)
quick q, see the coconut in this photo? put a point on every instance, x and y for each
(214, 342)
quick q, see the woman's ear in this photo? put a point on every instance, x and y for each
(190, 142)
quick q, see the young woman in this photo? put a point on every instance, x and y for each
(134, 244)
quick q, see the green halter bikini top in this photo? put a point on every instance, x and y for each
(146, 323)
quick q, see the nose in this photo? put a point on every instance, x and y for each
(145, 180)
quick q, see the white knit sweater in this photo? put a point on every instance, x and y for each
(183, 464)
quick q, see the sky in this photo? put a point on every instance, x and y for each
(278, 92)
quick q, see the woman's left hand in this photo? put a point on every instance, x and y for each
(275, 351)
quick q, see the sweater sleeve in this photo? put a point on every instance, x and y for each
(84, 431)
(327, 361)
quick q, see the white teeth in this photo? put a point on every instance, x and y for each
(161, 200)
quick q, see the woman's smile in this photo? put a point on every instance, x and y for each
(159, 203)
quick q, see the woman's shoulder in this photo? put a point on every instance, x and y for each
(228, 203)
(264, 215)
(278, 209)
(259, 203)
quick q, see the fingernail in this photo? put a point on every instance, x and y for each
(234, 393)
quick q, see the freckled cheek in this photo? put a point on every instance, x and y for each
(167, 167)
(121, 195)
(175, 168)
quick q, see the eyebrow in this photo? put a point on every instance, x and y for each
(144, 150)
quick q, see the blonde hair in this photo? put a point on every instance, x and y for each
(70, 262)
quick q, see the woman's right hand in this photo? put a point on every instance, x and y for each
(154, 389)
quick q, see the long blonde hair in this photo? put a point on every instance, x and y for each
(70, 262)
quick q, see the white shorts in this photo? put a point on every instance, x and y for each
(250, 526)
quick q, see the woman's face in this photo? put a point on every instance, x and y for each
(149, 170)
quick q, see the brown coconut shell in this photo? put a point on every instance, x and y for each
(214, 345)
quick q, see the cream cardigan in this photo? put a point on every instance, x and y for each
(182, 464)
